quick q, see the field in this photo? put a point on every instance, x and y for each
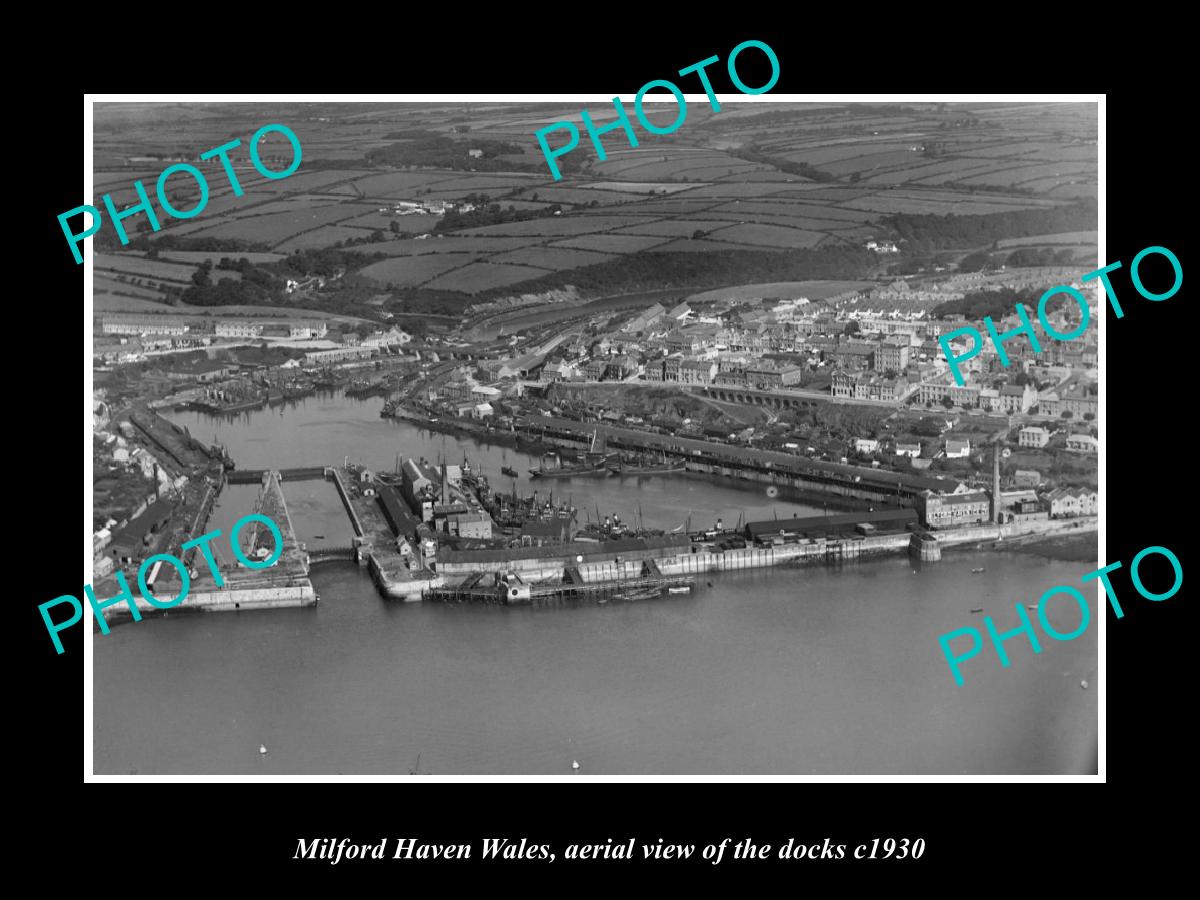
(410, 271)
(1070, 238)
(479, 276)
(552, 258)
(768, 236)
(757, 176)
(134, 265)
(610, 243)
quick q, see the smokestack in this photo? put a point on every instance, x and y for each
(996, 482)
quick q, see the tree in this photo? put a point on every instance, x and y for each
(975, 262)
(200, 276)
(1089, 416)
(851, 327)
(1067, 414)
(947, 402)
(394, 227)
(698, 234)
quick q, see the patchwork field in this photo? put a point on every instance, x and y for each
(410, 271)
(758, 176)
(479, 276)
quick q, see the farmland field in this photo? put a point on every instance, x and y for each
(157, 270)
(673, 228)
(452, 244)
(639, 187)
(1087, 238)
(739, 179)
(768, 236)
(277, 228)
(577, 195)
(410, 271)
(377, 221)
(611, 243)
(481, 276)
(687, 245)
(558, 226)
(108, 301)
(106, 285)
(195, 257)
(325, 236)
(551, 257)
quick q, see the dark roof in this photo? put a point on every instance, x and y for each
(566, 552)
(396, 511)
(132, 536)
(894, 518)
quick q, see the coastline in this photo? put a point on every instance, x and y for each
(1082, 547)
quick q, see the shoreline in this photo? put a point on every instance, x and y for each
(1082, 547)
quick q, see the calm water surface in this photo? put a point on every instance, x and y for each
(804, 671)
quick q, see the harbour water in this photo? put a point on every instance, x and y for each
(804, 671)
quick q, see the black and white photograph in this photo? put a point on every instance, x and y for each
(696, 435)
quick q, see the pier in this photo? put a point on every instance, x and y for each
(284, 584)
(622, 569)
(630, 589)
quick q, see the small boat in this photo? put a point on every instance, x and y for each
(509, 471)
(977, 609)
(575, 765)
(319, 537)
(1083, 684)
(1033, 606)
(976, 571)
(685, 589)
(262, 749)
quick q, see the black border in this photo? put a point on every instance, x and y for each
(967, 827)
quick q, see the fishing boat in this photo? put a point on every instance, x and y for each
(556, 468)
(594, 462)
(639, 594)
(646, 465)
(361, 387)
